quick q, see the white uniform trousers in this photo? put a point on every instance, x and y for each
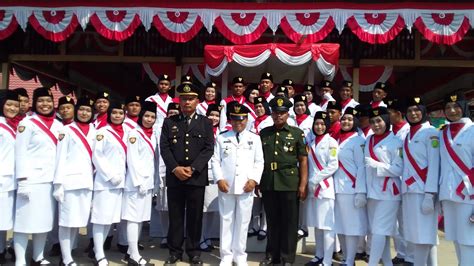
(7, 209)
(75, 210)
(235, 213)
(35, 214)
(456, 222)
(418, 228)
(382, 216)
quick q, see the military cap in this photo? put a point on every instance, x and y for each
(186, 79)
(347, 84)
(283, 90)
(280, 104)
(326, 84)
(102, 95)
(132, 99)
(300, 98)
(238, 112)
(212, 108)
(351, 111)
(378, 111)
(363, 110)
(10, 95)
(334, 105)
(267, 75)
(382, 86)
(211, 84)
(323, 116)
(259, 99)
(308, 87)
(21, 92)
(187, 89)
(287, 82)
(41, 92)
(65, 100)
(456, 96)
(238, 79)
(84, 101)
(164, 77)
(395, 104)
(415, 100)
(173, 106)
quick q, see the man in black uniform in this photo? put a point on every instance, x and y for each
(187, 144)
(284, 180)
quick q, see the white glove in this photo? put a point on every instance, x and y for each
(360, 200)
(142, 190)
(23, 191)
(116, 180)
(327, 96)
(427, 205)
(369, 162)
(58, 193)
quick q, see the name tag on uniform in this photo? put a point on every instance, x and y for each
(227, 141)
(250, 143)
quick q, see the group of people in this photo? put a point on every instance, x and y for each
(263, 161)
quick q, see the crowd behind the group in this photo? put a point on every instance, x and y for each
(264, 162)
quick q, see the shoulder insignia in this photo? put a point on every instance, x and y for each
(132, 140)
(99, 137)
(333, 151)
(21, 129)
(61, 136)
(434, 142)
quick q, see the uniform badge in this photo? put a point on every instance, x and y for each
(174, 141)
(106, 94)
(99, 137)
(285, 148)
(174, 129)
(21, 129)
(417, 99)
(187, 88)
(291, 148)
(454, 98)
(61, 137)
(333, 152)
(280, 102)
(434, 142)
(132, 140)
(376, 112)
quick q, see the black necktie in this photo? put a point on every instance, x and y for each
(237, 137)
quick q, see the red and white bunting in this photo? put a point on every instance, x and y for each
(116, 25)
(442, 28)
(8, 24)
(241, 28)
(54, 25)
(178, 26)
(154, 70)
(307, 27)
(368, 76)
(325, 55)
(376, 27)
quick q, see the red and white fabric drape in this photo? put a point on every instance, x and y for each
(442, 23)
(325, 55)
(368, 76)
(154, 70)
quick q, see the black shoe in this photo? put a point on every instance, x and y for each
(108, 242)
(55, 250)
(40, 262)
(252, 232)
(171, 260)
(11, 251)
(316, 261)
(99, 260)
(122, 248)
(90, 246)
(3, 258)
(195, 260)
(367, 258)
(141, 261)
(302, 233)
(398, 260)
(262, 234)
(338, 257)
(268, 261)
(91, 254)
(69, 264)
(140, 246)
(361, 256)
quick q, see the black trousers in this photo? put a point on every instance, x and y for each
(185, 203)
(281, 209)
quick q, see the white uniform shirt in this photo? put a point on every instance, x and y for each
(424, 148)
(327, 97)
(223, 121)
(451, 176)
(35, 150)
(141, 163)
(322, 180)
(109, 158)
(403, 132)
(161, 108)
(352, 103)
(306, 125)
(362, 133)
(350, 155)
(237, 162)
(383, 183)
(313, 108)
(74, 168)
(129, 124)
(7, 157)
(267, 122)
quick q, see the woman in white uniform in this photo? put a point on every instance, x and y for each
(109, 158)
(263, 119)
(139, 180)
(73, 178)
(303, 118)
(420, 181)
(210, 219)
(349, 181)
(9, 109)
(250, 93)
(384, 165)
(322, 164)
(456, 191)
(211, 96)
(35, 158)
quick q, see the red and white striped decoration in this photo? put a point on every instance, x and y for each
(178, 26)
(116, 25)
(307, 27)
(442, 28)
(54, 25)
(376, 27)
(241, 28)
(8, 24)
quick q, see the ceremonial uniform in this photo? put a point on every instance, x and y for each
(7, 175)
(187, 142)
(161, 107)
(237, 159)
(279, 185)
(348, 103)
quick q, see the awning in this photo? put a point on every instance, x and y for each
(240, 23)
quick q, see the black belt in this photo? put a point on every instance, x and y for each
(280, 166)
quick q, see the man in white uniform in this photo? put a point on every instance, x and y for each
(237, 153)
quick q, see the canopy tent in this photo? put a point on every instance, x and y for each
(240, 23)
(302, 63)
